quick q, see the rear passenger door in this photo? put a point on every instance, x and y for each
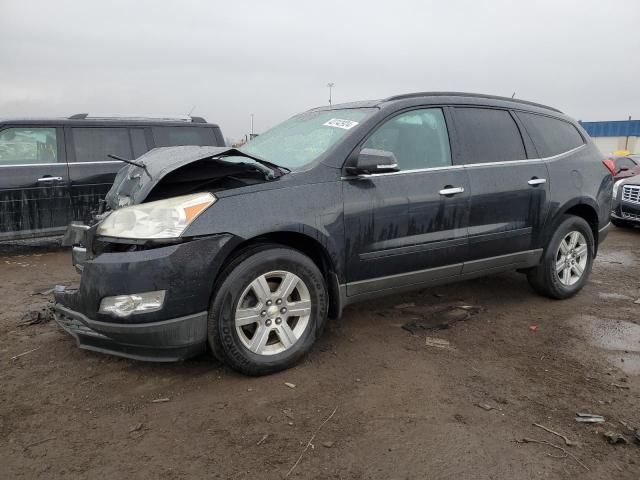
(91, 171)
(34, 183)
(409, 226)
(509, 188)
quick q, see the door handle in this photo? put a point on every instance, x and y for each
(537, 181)
(451, 190)
(50, 179)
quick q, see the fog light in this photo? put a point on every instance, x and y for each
(125, 305)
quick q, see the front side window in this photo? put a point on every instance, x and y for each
(300, 140)
(418, 139)
(550, 135)
(28, 145)
(489, 135)
(94, 144)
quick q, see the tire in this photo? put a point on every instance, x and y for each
(621, 223)
(253, 336)
(546, 279)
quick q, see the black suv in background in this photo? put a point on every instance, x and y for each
(54, 171)
(249, 250)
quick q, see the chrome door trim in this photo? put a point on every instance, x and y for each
(468, 165)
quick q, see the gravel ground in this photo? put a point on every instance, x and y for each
(452, 403)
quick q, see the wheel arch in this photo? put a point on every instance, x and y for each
(584, 208)
(306, 244)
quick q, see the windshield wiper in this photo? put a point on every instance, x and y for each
(130, 162)
(273, 166)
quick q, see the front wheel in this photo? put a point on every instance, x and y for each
(268, 310)
(566, 262)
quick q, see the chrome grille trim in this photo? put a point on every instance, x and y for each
(631, 193)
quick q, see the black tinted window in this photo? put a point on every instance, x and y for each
(418, 139)
(175, 136)
(550, 136)
(94, 144)
(489, 135)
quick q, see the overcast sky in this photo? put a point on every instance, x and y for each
(274, 58)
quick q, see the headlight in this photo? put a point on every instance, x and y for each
(162, 219)
(616, 187)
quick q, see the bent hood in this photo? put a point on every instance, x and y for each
(133, 184)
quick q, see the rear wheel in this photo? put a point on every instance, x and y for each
(268, 310)
(567, 260)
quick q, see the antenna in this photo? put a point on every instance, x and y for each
(514, 95)
(191, 111)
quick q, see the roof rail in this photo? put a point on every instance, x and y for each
(472, 95)
(116, 116)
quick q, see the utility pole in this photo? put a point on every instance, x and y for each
(252, 124)
(626, 142)
(330, 85)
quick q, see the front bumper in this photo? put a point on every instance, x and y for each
(627, 211)
(164, 341)
(186, 271)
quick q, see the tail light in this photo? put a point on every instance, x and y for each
(610, 165)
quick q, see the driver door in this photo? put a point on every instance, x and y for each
(407, 227)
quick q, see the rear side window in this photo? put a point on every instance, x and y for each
(28, 145)
(176, 136)
(418, 139)
(94, 144)
(489, 135)
(550, 135)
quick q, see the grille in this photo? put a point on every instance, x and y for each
(631, 193)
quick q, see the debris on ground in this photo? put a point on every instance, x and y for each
(439, 320)
(614, 438)
(569, 443)
(437, 342)
(533, 328)
(637, 302)
(635, 432)
(589, 418)
(263, 439)
(558, 447)
(33, 444)
(290, 385)
(486, 406)
(43, 290)
(309, 443)
(161, 400)
(328, 444)
(287, 412)
(136, 428)
(15, 357)
(36, 317)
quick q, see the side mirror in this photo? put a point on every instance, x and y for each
(371, 160)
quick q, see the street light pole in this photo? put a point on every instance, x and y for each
(330, 85)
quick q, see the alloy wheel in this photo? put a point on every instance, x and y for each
(273, 313)
(571, 258)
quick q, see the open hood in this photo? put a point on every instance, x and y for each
(200, 168)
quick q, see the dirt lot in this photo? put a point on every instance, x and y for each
(405, 409)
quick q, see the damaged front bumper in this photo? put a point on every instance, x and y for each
(185, 271)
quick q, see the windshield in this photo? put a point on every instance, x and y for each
(303, 138)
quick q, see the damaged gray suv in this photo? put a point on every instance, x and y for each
(246, 252)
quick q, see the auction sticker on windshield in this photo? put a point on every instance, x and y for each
(339, 123)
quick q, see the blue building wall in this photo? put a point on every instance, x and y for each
(615, 128)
